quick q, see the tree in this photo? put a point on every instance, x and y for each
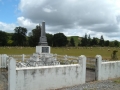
(94, 41)
(59, 40)
(101, 42)
(111, 44)
(106, 43)
(34, 36)
(84, 41)
(9, 40)
(19, 36)
(89, 40)
(116, 43)
(49, 39)
(72, 43)
(3, 38)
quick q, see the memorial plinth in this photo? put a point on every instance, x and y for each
(43, 45)
(42, 57)
(42, 49)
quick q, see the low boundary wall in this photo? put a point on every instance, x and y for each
(46, 77)
(107, 70)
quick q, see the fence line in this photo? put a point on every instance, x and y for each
(22, 57)
(58, 59)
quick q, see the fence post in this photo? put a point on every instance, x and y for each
(55, 56)
(23, 56)
(0, 61)
(4, 60)
(98, 67)
(82, 62)
(12, 74)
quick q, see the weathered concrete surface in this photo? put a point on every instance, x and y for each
(110, 70)
(97, 85)
(107, 70)
(49, 77)
(12, 74)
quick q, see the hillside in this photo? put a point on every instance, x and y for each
(76, 39)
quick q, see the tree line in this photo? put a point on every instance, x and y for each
(87, 41)
(20, 38)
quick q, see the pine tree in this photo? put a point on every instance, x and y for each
(84, 41)
(89, 40)
(101, 42)
(72, 43)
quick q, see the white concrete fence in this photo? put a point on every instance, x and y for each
(46, 77)
(59, 76)
(107, 70)
(3, 60)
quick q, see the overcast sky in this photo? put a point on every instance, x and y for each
(71, 17)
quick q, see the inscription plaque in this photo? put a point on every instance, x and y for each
(45, 49)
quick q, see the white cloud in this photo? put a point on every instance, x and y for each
(7, 27)
(49, 9)
(26, 23)
(73, 17)
(21, 21)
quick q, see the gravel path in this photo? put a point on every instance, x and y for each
(97, 85)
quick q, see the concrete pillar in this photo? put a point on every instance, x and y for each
(82, 62)
(55, 56)
(0, 61)
(23, 56)
(4, 60)
(98, 67)
(43, 29)
(12, 74)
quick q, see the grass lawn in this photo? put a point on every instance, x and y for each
(89, 52)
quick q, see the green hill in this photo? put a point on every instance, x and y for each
(76, 39)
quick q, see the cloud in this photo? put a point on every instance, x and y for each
(72, 17)
(49, 9)
(21, 21)
(24, 22)
(7, 27)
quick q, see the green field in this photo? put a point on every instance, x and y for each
(89, 52)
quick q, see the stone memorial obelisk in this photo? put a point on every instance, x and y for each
(43, 39)
(43, 45)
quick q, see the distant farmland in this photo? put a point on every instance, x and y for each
(105, 52)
